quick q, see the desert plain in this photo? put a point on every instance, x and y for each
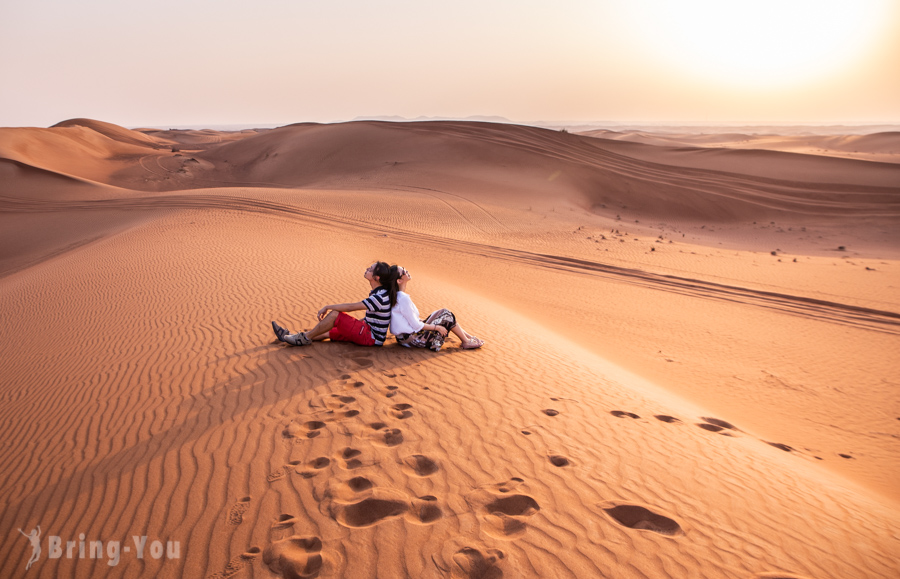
(691, 361)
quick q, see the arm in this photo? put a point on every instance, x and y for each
(341, 308)
(439, 329)
(424, 325)
(405, 309)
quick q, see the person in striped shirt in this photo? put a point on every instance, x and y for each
(336, 325)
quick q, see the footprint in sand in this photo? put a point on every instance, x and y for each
(277, 474)
(349, 491)
(667, 419)
(382, 505)
(236, 514)
(716, 425)
(361, 359)
(391, 391)
(401, 411)
(358, 503)
(313, 428)
(280, 473)
(284, 521)
(294, 430)
(503, 511)
(508, 486)
(719, 422)
(420, 465)
(471, 563)
(234, 566)
(513, 505)
(642, 518)
(779, 446)
(349, 458)
(550, 412)
(336, 401)
(384, 436)
(502, 526)
(359, 484)
(424, 510)
(559, 460)
(296, 556)
(623, 414)
(313, 467)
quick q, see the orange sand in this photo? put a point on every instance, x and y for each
(684, 375)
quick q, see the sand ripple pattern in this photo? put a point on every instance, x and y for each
(835, 312)
(148, 396)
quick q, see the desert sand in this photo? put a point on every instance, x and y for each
(691, 366)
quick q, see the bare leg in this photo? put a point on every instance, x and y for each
(320, 330)
(461, 333)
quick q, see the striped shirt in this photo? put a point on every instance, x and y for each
(378, 314)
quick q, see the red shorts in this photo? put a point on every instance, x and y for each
(349, 329)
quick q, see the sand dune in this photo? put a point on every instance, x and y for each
(113, 132)
(880, 147)
(659, 397)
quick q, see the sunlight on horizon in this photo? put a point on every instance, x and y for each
(762, 43)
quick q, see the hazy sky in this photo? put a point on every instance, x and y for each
(216, 62)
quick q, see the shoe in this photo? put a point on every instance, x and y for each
(280, 332)
(298, 339)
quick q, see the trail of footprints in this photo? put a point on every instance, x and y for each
(715, 425)
(635, 516)
(357, 501)
(352, 501)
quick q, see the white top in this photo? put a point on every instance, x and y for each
(405, 316)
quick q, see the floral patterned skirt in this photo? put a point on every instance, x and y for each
(430, 339)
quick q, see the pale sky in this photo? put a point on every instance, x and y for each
(220, 62)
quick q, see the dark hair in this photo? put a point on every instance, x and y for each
(387, 277)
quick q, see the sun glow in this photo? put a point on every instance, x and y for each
(763, 42)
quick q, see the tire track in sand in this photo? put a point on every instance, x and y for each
(823, 310)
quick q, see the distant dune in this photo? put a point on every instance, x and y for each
(114, 132)
(690, 366)
(510, 163)
(881, 147)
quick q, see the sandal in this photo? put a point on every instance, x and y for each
(280, 332)
(298, 339)
(473, 343)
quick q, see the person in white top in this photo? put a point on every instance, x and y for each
(413, 332)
